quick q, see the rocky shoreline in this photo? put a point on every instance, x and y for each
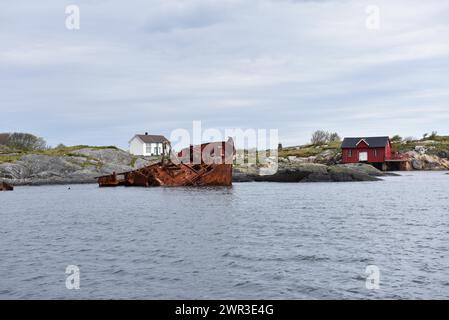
(311, 172)
(83, 165)
(79, 167)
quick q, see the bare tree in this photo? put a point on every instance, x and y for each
(4, 138)
(320, 137)
(26, 141)
(334, 137)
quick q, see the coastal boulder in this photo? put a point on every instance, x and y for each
(444, 154)
(307, 172)
(111, 155)
(362, 168)
(81, 166)
(297, 173)
(328, 157)
(345, 174)
(244, 173)
(417, 164)
(13, 171)
(427, 162)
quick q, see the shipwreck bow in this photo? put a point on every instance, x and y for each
(209, 164)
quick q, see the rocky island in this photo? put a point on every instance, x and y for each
(83, 164)
(307, 163)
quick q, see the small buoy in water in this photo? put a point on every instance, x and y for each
(68, 188)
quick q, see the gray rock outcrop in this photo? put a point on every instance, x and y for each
(309, 172)
(428, 162)
(82, 167)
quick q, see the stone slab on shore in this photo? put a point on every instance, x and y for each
(310, 172)
(80, 167)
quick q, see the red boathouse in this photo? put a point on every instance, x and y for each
(373, 150)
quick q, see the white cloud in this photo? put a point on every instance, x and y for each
(292, 65)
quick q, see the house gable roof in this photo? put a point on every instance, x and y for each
(151, 138)
(372, 142)
(362, 140)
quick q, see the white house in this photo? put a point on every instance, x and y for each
(147, 144)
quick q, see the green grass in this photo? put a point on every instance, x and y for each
(309, 150)
(68, 151)
(442, 139)
(301, 152)
(133, 161)
(54, 152)
(9, 158)
(432, 149)
(433, 146)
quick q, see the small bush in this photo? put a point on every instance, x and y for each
(433, 135)
(396, 139)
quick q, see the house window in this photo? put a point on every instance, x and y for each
(349, 153)
(148, 148)
(375, 153)
(156, 150)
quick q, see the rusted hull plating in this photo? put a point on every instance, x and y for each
(172, 175)
(6, 187)
(176, 175)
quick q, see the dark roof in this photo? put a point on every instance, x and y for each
(4, 138)
(373, 142)
(151, 138)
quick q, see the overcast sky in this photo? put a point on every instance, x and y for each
(155, 66)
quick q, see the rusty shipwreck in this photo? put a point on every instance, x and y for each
(208, 164)
(6, 187)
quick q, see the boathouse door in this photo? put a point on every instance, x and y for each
(363, 156)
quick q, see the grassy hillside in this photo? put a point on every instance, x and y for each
(8, 155)
(308, 150)
(433, 146)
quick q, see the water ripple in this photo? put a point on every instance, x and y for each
(252, 241)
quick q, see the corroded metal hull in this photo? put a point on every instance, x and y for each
(172, 175)
(6, 187)
(183, 173)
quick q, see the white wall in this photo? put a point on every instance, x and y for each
(152, 150)
(136, 147)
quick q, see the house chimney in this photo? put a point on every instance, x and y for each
(146, 133)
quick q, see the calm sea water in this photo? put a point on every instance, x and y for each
(251, 241)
